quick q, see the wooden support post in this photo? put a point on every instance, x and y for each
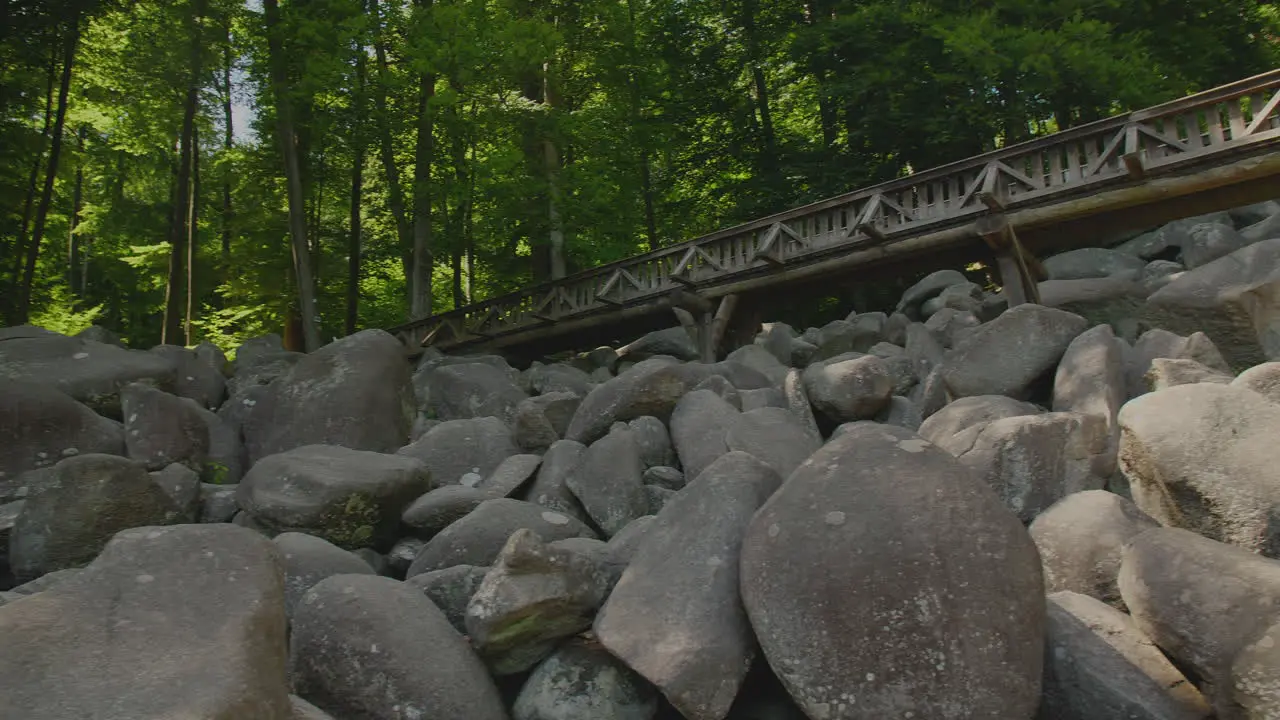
(1020, 271)
(724, 314)
(692, 302)
(687, 322)
(706, 343)
(1011, 279)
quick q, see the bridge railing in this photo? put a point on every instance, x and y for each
(1155, 140)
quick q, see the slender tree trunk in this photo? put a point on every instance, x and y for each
(70, 42)
(395, 190)
(456, 217)
(357, 190)
(468, 227)
(73, 236)
(551, 160)
(423, 159)
(769, 156)
(175, 290)
(193, 237)
(293, 176)
(228, 142)
(33, 185)
(317, 206)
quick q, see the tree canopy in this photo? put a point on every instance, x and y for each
(189, 170)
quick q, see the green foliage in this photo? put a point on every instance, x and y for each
(638, 121)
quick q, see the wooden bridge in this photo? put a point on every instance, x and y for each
(1210, 151)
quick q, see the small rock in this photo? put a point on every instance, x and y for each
(798, 403)
(440, 508)
(511, 475)
(550, 488)
(930, 286)
(161, 429)
(667, 477)
(217, 503)
(1158, 343)
(657, 497)
(473, 390)
(1208, 242)
(652, 387)
(721, 387)
(654, 442)
(671, 341)
(957, 426)
(182, 485)
(402, 554)
(901, 412)
(1090, 380)
(451, 590)
(581, 681)
(199, 375)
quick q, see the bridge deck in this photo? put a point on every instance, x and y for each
(1200, 152)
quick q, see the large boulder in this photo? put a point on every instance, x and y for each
(309, 559)
(1098, 664)
(1167, 373)
(1090, 380)
(354, 393)
(1080, 540)
(1235, 300)
(798, 403)
(199, 373)
(115, 642)
(90, 372)
(843, 390)
(1202, 602)
(559, 378)
(372, 647)
(1115, 301)
(41, 426)
(884, 522)
(1007, 355)
(1207, 242)
(674, 617)
(1263, 379)
(161, 429)
(535, 596)
(453, 449)
(1253, 676)
(654, 440)
(674, 342)
(652, 387)
(550, 488)
(761, 360)
(71, 514)
(773, 435)
(1090, 263)
(1156, 343)
(1202, 457)
(351, 498)
(957, 426)
(461, 392)
(609, 481)
(698, 428)
(929, 286)
(478, 538)
(540, 421)
(581, 681)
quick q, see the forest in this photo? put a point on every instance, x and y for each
(209, 170)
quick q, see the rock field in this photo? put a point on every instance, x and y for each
(1066, 511)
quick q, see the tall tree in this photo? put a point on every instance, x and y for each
(358, 144)
(424, 157)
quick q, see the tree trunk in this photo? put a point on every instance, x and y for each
(193, 236)
(769, 153)
(181, 228)
(70, 42)
(228, 142)
(551, 159)
(74, 261)
(357, 191)
(33, 184)
(423, 158)
(293, 177)
(395, 191)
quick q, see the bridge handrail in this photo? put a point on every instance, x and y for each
(1107, 149)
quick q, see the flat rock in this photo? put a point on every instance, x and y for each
(440, 508)
(847, 390)
(141, 603)
(560, 379)
(451, 590)
(351, 498)
(199, 373)
(1090, 263)
(1008, 354)
(42, 425)
(218, 503)
(1167, 373)
(609, 481)
(957, 426)
(883, 521)
(1207, 242)
(354, 393)
(777, 339)
(70, 516)
(1202, 457)
(534, 596)
(1098, 664)
(540, 421)
(453, 449)
(514, 472)
(478, 538)
(581, 681)
(698, 428)
(365, 646)
(652, 387)
(774, 436)
(161, 429)
(674, 617)
(673, 341)
(471, 390)
(308, 560)
(1202, 602)
(764, 397)
(1080, 539)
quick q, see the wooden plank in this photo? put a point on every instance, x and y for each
(1011, 279)
(988, 194)
(1132, 157)
(1214, 116)
(1235, 119)
(1101, 160)
(1263, 115)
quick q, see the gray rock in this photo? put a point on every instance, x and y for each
(218, 503)
(1207, 242)
(971, 643)
(471, 390)
(423, 425)
(303, 710)
(580, 681)
(1243, 217)
(199, 375)
(720, 387)
(514, 473)
(923, 349)
(764, 397)
(697, 648)
(802, 352)
(354, 393)
(478, 538)
(1202, 457)
(225, 462)
(1202, 602)
(608, 482)
(68, 519)
(930, 394)
(182, 485)
(90, 372)
(550, 488)
(845, 390)
(951, 326)
(758, 358)
(534, 596)
(1099, 665)
(895, 329)
(1158, 343)
(254, 350)
(657, 497)
(373, 560)
(351, 498)
(161, 429)
(798, 403)
(451, 590)
(698, 428)
(141, 603)
(901, 412)
(402, 554)
(99, 334)
(560, 380)
(776, 338)
(774, 436)
(928, 287)
(1091, 263)
(1008, 354)
(1090, 380)
(1263, 379)
(1115, 301)
(1167, 373)
(652, 387)
(667, 477)
(40, 426)
(654, 441)
(674, 342)
(440, 508)
(308, 560)
(540, 421)
(455, 448)
(44, 582)
(965, 297)
(1232, 300)
(261, 370)
(367, 646)
(622, 547)
(957, 426)
(1158, 273)
(1080, 539)
(1253, 676)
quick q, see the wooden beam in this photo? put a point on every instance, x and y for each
(1011, 279)
(706, 347)
(691, 302)
(724, 315)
